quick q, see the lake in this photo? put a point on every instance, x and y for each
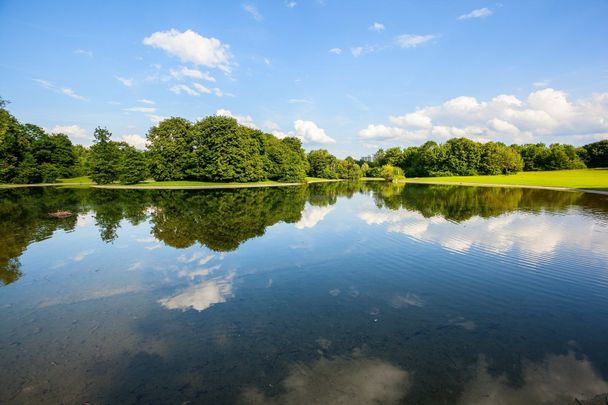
(346, 293)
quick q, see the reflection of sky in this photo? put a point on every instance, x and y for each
(532, 234)
(312, 215)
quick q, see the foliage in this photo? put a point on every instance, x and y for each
(104, 158)
(170, 149)
(133, 166)
(322, 164)
(496, 158)
(390, 172)
(596, 154)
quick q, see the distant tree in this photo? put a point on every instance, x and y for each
(390, 172)
(463, 156)
(223, 150)
(348, 169)
(104, 158)
(392, 156)
(322, 164)
(597, 154)
(133, 165)
(170, 149)
(496, 158)
(364, 169)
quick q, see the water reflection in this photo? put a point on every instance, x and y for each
(559, 379)
(344, 380)
(151, 296)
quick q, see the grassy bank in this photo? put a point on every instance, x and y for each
(588, 179)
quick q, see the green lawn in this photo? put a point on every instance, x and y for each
(81, 179)
(596, 179)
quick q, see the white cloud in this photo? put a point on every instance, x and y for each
(336, 51)
(245, 120)
(413, 40)
(80, 256)
(190, 46)
(299, 101)
(546, 115)
(183, 72)
(201, 89)
(137, 141)
(541, 83)
(306, 131)
(155, 119)
(125, 81)
(376, 26)
(182, 88)
(382, 132)
(309, 132)
(477, 13)
(84, 52)
(416, 119)
(62, 90)
(141, 109)
(290, 4)
(146, 101)
(74, 132)
(253, 10)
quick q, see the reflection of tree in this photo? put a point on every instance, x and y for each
(459, 203)
(24, 219)
(222, 220)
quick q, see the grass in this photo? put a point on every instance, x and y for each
(198, 183)
(593, 179)
(81, 179)
(372, 179)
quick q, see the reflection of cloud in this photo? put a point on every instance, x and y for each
(199, 272)
(350, 381)
(150, 239)
(559, 379)
(312, 216)
(463, 323)
(153, 247)
(531, 233)
(84, 220)
(80, 256)
(200, 256)
(136, 266)
(410, 299)
(201, 296)
(83, 296)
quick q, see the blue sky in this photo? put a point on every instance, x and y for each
(349, 76)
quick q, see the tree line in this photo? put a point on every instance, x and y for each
(464, 157)
(219, 149)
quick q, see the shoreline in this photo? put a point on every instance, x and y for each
(555, 188)
(144, 187)
(253, 185)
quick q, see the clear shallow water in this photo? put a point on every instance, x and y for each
(335, 293)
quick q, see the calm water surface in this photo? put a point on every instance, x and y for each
(335, 293)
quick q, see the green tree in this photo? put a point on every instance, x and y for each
(597, 154)
(349, 169)
(225, 151)
(133, 165)
(104, 157)
(496, 158)
(322, 164)
(390, 172)
(171, 149)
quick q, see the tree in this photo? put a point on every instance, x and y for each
(364, 169)
(496, 158)
(104, 158)
(463, 157)
(170, 149)
(597, 154)
(223, 150)
(349, 169)
(322, 164)
(133, 165)
(390, 173)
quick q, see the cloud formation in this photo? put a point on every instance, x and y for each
(74, 132)
(62, 90)
(477, 13)
(545, 115)
(192, 47)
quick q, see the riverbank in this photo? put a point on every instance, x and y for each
(170, 185)
(585, 180)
